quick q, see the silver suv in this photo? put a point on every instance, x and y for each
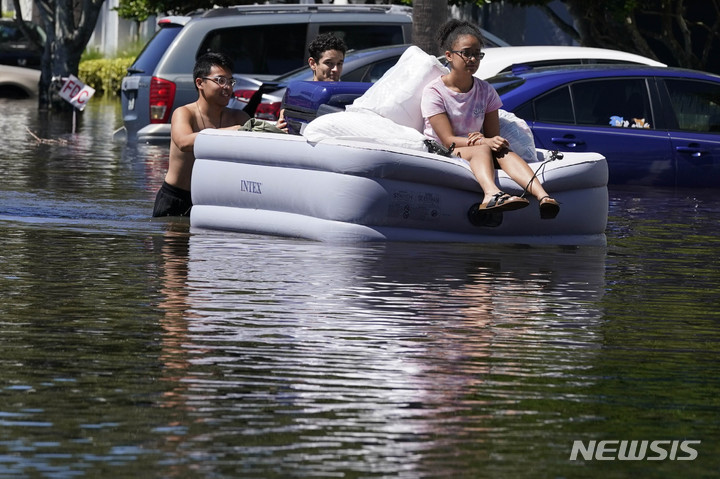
(264, 41)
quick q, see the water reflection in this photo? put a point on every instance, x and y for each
(373, 349)
(72, 172)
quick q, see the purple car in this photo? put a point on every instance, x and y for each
(656, 126)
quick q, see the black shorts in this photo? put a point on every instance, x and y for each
(172, 201)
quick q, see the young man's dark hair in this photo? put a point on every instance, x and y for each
(325, 42)
(206, 61)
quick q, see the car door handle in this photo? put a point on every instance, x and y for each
(569, 142)
(694, 151)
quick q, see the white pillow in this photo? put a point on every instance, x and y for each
(365, 126)
(397, 94)
(517, 132)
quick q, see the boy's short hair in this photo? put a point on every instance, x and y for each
(325, 42)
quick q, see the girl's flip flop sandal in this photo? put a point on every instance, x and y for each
(501, 201)
(549, 208)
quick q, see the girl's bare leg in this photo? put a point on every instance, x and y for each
(481, 164)
(521, 173)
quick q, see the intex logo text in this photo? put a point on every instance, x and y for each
(624, 450)
(250, 186)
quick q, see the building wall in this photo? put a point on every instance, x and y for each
(114, 34)
(25, 5)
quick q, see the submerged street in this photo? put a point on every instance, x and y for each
(133, 347)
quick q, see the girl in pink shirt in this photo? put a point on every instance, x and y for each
(461, 109)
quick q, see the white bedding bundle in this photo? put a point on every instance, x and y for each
(389, 111)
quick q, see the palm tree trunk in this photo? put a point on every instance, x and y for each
(428, 16)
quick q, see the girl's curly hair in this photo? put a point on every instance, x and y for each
(452, 29)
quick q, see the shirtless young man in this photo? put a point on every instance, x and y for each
(214, 82)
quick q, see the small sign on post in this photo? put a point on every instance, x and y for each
(76, 93)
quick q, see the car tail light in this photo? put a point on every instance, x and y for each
(264, 111)
(162, 96)
(244, 95)
(268, 111)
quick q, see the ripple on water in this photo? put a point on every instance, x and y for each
(134, 347)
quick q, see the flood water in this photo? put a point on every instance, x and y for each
(132, 347)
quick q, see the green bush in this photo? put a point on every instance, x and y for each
(104, 75)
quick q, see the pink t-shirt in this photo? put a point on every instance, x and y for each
(466, 111)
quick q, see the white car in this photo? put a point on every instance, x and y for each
(18, 82)
(502, 59)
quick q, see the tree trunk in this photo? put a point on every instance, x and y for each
(428, 16)
(68, 31)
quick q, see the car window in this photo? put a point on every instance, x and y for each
(360, 37)
(505, 83)
(696, 105)
(543, 63)
(608, 61)
(149, 57)
(10, 33)
(379, 69)
(621, 102)
(567, 61)
(555, 107)
(525, 112)
(260, 49)
(356, 75)
(302, 73)
(372, 72)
